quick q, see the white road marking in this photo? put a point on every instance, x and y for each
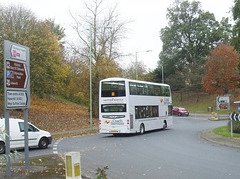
(55, 146)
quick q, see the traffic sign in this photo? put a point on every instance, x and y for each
(223, 103)
(16, 99)
(16, 91)
(16, 76)
(18, 52)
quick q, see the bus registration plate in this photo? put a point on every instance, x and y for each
(114, 131)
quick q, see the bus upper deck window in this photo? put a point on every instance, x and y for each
(113, 89)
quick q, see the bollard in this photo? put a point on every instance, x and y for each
(72, 165)
(210, 109)
(213, 115)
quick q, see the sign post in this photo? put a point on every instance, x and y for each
(16, 90)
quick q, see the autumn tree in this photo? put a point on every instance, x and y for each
(107, 31)
(15, 25)
(47, 68)
(222, 72)
(75, 88)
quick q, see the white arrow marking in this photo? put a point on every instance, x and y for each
(26, 72)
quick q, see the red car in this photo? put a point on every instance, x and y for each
(180, 111)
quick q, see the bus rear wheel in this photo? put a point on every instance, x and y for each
(164, 124)
(142, 129)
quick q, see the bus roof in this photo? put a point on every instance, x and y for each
(125, 79)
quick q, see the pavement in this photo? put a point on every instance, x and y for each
(210, 136)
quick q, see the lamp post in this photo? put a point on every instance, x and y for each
(162, 73)
(137, 62)
(90, 76)
(90, 70)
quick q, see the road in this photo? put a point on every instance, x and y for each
(174, 153)
(177, 152)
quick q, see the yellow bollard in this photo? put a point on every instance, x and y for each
(213, 115)
(73, 167)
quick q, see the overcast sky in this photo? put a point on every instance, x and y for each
(148, 16)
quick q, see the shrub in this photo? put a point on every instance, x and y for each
(102, 173)
(236, 126)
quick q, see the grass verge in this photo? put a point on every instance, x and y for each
(223, 131)
(200, 103)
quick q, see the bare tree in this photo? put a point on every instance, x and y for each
(130, 71)
(107, 32)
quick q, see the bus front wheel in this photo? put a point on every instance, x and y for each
(142, 129)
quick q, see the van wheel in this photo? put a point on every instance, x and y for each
(2, 148)
(43, 143)
(142, 129)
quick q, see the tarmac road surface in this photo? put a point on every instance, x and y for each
(177, 152)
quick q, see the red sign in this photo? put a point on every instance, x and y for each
(16, 74)
(18, 52)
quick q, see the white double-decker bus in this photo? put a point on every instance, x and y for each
(132, 106)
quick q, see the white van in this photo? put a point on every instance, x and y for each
(36, 137)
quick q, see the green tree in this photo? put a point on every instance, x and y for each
(56, 30)
(176, 81)
(187, 40)
(235, 41)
